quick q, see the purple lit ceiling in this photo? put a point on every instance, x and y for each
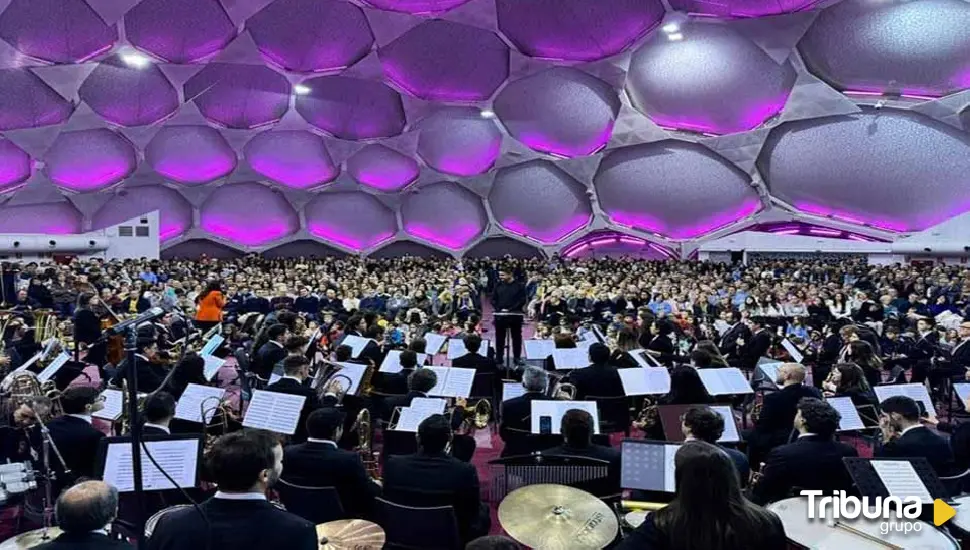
(450, 127)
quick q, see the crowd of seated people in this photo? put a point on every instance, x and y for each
(853, 328)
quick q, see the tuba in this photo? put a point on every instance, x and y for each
(362, 425)
(23, 388)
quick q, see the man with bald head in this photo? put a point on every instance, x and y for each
(775, 424)
(85, 512)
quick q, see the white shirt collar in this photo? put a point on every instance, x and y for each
(84, 417)
(275, 342)
(239, 496)
(327, 441)
(142, 357)
(285, 377)
(159, 426)
(910, 428)
(806, 434)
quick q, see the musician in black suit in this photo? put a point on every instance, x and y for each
(150, 375)
(84, 514)
(757, 346)
(811, 462)
(774, 425)
(87, 328)
(158, 410)
(732, 341)
(296, 371)
(396, 383)
(925, 348)
(600, 379)
(472, 360)
(420, 382)
(431, 477)
(72, 433)
(243, 465)
(508, 299)
(516, 426)
(271, 353)
(319, 463)
(373, 350)
(577, 431)
(904, 436)
(702, 423)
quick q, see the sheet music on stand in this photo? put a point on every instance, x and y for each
(901, 480)
(212, 366)
(644, 359)
(452, 381)
(796, 355)
(914, 391)
(850, 421)
(434, 343)
(725, 381)
(114, 403)
(354, 371)
(356, 343)
(556, 409)
(962, 390)
(177, 455)
(731, 434)
(212, 344)
(53, 367)
(511, 390)
(538, 349)
(392, 361)
(276, 412)
(768, 369)
(410, 418)
(431, 404)
(456, 348)
(194, 399)
(650, 381)
(570, 358)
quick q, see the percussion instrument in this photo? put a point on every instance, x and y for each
(31, 539)
(350, 534)
(153, 521)
(635, 518)
(858, 534)
(557, 517)
(961, 521)
(15, 479)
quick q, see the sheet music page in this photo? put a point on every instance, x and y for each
(914, 391)
(430, 404)
(556, 409)
(212, 345)
(459, 382)
(571, 358)
(179, 459)
(770, 370)
(53, 367)
(729, 381)
(356, 343)
(901, 479)
(670, 480)
(313, 338)
(850, 415)
(276, 412)
(963, 390)
(434, 343)
(730, 434)
(354, 371)
(649, 381)
(441, 374)
(511, 390)
(114, 403)
(392, 361)
(538, 349)
(792, 350)
(212, 366)
(456, 348)
(194, 398)
(274, 377)
(410, 419)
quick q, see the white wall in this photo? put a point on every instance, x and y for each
(105, 243)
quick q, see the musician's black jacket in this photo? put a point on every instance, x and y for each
(779, 408)
(84, 541)
(249, 524)
(729, 342)
(292, 387)
(475, 361)
(322, 464)
(78, 441)
(756, 348)
(597, 380)
(87, 326)
(810, 462)
(921, 442)
(150, 375)
(516, 415)
(267, 357)
(509, 297)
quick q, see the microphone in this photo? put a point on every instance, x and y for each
(147, 317)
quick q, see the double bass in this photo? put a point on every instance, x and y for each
(116, 343)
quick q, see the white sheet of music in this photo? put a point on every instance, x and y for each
(434, 343)
(644, 359)
(53, 367)
(356, 343)
(274, 377)
(670, 468)
(570, 358)
(409, 419)
(770, 370)
(354, 371)
(212, 366)
(511, 390)
(914, 391)
(850, 415)
(730, 434)
(538, 349)
(431, 404)
(114, 403)
(792, 350)
(392, 361)
(650, 381)
(276, 412)
(179, 459)
(452, 382)
(901, 480)
(194, 399)
(963, 390)
(557, 409)
(729, 381)
(212, 345)
(456, 348)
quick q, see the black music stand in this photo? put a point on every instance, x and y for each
(870, 485)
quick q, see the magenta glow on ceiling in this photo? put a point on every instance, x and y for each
(382, 168)
(294, 158)
(221, 215)
(190, 154)
(88, 160)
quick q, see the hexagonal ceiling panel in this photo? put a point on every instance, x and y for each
(353, 219)
(57, 31)
(459, 141)
(671, 81)
(239, 96)
(27, 102)
(190, 154)
(445, 214)
(415, 6)
(891, 169)
(129, 96)
(673, 188)
(562, 111)
(88, 160)
(58, 218)
(351, 108)
(175, 212)
(915, 48)
(225, 214)
(294, 158)
(15, 165)
(518, 189)
(311, 36)
(743, 8)
(576, 30)
(179, 31)
(382, 168)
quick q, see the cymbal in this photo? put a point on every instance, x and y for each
(556, 517)
(30, 539)
(356, 534)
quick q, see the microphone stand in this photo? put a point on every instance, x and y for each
(131, 345)
(46, 444)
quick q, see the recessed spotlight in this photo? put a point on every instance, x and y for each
(671, 27)
(487, 114)
(301, 89)
(135, 59)
(675, 36)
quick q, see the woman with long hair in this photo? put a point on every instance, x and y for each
(626, 342)
(209, 304)
(860, 353)
(717, 360)
(849, 380)
(686, 388)
(708, 511)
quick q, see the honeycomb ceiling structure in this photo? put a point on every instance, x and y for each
(482, 127)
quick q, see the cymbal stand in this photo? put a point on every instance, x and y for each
(47, 443)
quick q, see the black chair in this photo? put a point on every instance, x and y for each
(398, 443)
(614, 413)
(314, 504)
(955, 484)
(522, 442)
(483, 386)
(418, 528)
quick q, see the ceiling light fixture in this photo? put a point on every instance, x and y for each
(135, 59)
(671, 27)
(301, 89)
(675, 36)
(487, 114)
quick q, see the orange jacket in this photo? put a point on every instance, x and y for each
(210, 307)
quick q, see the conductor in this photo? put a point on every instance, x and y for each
(508, 300)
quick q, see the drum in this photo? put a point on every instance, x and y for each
(30, 539)
(961, 521)
(859, 534)
(153, 521)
